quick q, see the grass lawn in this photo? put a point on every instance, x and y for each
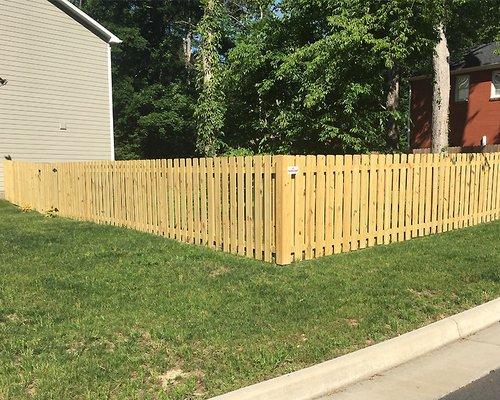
(97, 312)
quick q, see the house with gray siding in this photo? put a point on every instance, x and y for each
(55, 83)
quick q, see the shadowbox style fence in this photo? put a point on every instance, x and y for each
(281, 208)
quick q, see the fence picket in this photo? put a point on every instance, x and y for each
(329, 204)
(355, 187)
(395, 197)
(233, 210)
(380, 198)
(299, 211)
(258, 218)
(249, 207)
(211, 203)
(267, 239)
(203, 203)
(310, 203)
(402, 197)
(320, 207)
(372, 200)
(240, 187)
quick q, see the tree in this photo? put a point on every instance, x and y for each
(441, 94)
(218, 30)
(78, 3)
(276, 76)
(460, 25)
(154, 82)
(324, 76)
(392, 106)
(470, 23)
(210, 109)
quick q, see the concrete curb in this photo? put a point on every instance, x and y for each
(329, 376)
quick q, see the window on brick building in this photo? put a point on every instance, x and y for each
(462, 87)
(495, 85)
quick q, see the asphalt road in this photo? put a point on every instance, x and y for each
(487, 388)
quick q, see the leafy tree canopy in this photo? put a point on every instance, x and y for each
(299, 76)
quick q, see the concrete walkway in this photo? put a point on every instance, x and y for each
(433, 375)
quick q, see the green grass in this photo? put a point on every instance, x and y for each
(98, 312)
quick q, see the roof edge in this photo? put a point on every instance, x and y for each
(91, 24)
(460, 71)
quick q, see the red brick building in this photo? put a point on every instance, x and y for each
(474, 101)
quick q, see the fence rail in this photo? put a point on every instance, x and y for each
(281, 208)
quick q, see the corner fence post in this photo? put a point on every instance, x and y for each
(284, 210)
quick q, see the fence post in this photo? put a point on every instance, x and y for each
(284, 210)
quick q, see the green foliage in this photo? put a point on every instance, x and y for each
(218, 29)
(471, 23)
(154, 90)
(315, 77)
(275, 76)
(240, 151)
(211, 108)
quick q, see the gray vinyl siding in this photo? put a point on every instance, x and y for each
(57, 72)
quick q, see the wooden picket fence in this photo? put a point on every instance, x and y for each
(282, 208)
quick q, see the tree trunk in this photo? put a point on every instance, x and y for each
(392, 105)
(441, 95)
(187, 48)
(207, 60)
(209, 44)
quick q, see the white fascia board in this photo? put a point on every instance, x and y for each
(74, 11)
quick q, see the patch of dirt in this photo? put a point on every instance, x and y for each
(75, 347)
(13, 317)
(200, 389)
(170, 377)
(120, 338)
(302, 338)
(150, 343)
(31, 390)
(218, 272)
(176, 376)
(110, 346)
(352, 322)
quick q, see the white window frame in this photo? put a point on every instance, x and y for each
(458, 98)
(495, 91)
